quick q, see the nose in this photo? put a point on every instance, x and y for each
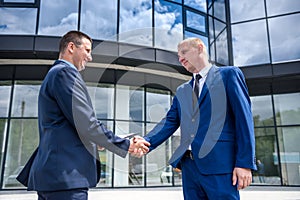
(90, 58)
(180, 59)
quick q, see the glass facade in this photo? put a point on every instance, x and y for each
(248, 34)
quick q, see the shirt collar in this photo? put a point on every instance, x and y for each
(203, 71)
(68, 63)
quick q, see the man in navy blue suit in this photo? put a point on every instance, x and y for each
(217, 148)
(66, 163)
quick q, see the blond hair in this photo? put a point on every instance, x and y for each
(194, 42)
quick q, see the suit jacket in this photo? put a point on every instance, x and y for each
(219, 127)
(67, 155)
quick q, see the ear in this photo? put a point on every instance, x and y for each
(200, 48)
(71, 47)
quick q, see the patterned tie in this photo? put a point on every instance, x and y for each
(196, 87)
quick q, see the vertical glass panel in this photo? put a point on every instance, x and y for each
(287, 108)
(3, 130)
(262, 111)
(158, 103)
(195, 21)
(168, 25)
(156, 168)
(222, 48)
(5, 89)
(129, 103)
(212, 52)
(219, 27)
(284, 34)
(211, 29)
(25, 99)
(106, 159)
(18, 20)
(136, 22)
(128, 171)
(99, 20)
(102, 96)
(250, 43)
(196, 4)
(266, 151)
(188, 34)
(23, 140)
(58, 17)
(289, 138)
(219, 10)
(241, 10)
(276, 7)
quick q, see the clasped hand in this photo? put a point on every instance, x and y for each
(138, 146)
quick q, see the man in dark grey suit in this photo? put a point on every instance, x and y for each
(66, 163)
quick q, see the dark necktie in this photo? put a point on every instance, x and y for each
(196, 87)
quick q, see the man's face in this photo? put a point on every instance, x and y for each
(82, 54)
(188, 56)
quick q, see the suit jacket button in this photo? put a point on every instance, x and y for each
(193, 120)
(192, 135)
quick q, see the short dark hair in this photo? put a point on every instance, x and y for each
(72, 36)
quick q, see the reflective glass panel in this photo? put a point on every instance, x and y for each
(287, 108)
(130, 172)
(241, 10)
(211, 29)
(18, 20)
(195, 21)
(106, 159)
(262, 111)
(284, 36)
(219, 10)
(276, 7)
(196, 4)
(157, 172)
(25, 99)
(250, 43)
(99, 20)
(168, 25)
(23, 140)
(136, 22)
(3, 130)
(289, 138)
(219, 27)
(5, 89)
(265, 147)
(222, 48)
(102, 96)
(58, 17)
(129, 103)
(158, 103)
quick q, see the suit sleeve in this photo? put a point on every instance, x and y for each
(73, 99)
(166, 127)
(241, 106)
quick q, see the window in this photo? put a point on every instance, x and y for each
(136, 22)
(241, 10)
(277, 7)
(195, 21)
(58, 17)
(250, 44)
(284, 38)
(99, 20)
(168, 25)
(18, 20)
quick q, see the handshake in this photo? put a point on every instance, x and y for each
(138, 146)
